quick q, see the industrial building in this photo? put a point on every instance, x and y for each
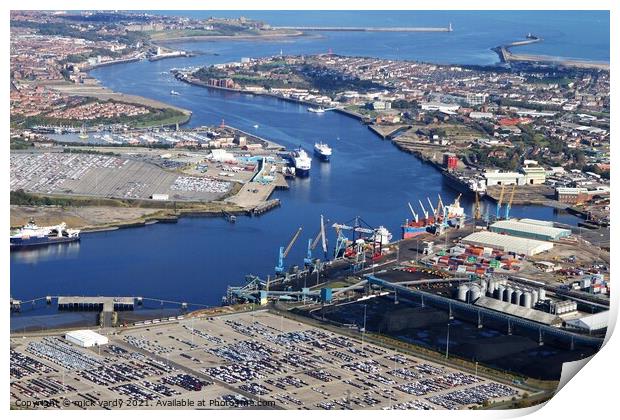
(519, 311)
(528, 229)
(507, 243)
(590, 323)
(496, 177)
(86, 338)
(534, 174)
(572, 195)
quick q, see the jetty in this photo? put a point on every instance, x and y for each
(366, 28)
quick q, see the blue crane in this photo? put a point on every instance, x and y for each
(283, 252)
(499, 203)
(509, 204)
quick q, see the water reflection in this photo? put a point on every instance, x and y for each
(45, 253)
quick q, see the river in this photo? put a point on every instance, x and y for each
(195, 259)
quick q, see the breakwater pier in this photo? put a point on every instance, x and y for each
(366, 29)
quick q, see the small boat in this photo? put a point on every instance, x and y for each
(255, 126)
(318, 110)
(323, 151)
(174, 92)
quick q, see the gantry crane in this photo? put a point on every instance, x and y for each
(342, 241)
(283, 252)
(499, 202)
(509, 205)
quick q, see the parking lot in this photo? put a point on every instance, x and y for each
(107, 176)
(233, 359)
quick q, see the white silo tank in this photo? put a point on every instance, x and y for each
(541, 293)
(492, 288)
(534, 297)
(517, 297)
(509, 294)
(462, 292)
(527, 299)
(476, 292)
(500, 292)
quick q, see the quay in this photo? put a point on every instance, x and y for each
(388, 131)
(96, 303)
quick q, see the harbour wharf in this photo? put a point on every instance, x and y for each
(95, 303)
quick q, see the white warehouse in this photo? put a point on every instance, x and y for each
(507, 243)
(86, 338)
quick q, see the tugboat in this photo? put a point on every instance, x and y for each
(323, 151)
(33, 235)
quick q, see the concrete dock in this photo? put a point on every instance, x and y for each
(95, 303)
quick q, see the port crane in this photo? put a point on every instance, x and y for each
(433, 209)
(342, 241)
(423, 209)
(415, 215)
(499, 202)
(509, 204)
(477, 208)
(308, 261)
(283, 252)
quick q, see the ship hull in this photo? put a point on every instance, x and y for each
(412, 232)
(18, 243)
(302, 173)
(322, 156)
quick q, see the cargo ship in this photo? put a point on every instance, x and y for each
(418, 225)
(32, 235)
(441, 216)
(323, 151)
(465, 184)
(300, 160)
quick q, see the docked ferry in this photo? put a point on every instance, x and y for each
(300, 160)
(33, 235)
(323, 151)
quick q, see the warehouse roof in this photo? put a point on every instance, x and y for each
(519, 311)
(537, 222)
(507, 242)
(86, 336)
(591, 322)
(533, 228)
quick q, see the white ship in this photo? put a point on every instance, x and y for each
(33, 235)
(318, 110)
(300, 160)
(323, 151)
(174, 92)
